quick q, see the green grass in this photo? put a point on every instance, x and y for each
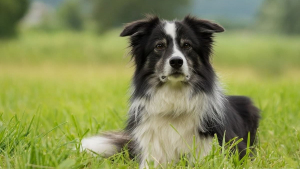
(56, 89)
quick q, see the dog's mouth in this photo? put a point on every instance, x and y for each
(175, 76)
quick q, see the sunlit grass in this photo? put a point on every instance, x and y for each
(63, 47)
(269, 54)
(47, 109)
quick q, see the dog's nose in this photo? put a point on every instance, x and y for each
(176, 62)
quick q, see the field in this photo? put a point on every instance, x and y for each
(57, 88)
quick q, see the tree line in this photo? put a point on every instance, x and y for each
(274, 15)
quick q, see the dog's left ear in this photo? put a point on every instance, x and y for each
(203, 26)
(140, 26)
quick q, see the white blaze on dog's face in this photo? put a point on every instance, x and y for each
(176, 66)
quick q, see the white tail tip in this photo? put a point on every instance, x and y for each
(100, 145)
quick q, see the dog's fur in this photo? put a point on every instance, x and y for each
(177, 103)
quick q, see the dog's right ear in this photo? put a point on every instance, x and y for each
(140, 26)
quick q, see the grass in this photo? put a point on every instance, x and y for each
(56, 89)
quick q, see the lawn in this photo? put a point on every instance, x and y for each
(57, 88)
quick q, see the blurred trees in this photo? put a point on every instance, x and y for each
(11, 11)
(71, 15)
(108, 13)
(281, 16)
(99, 14)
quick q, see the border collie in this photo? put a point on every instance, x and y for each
(177, 104)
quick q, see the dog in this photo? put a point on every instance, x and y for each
(177, 104)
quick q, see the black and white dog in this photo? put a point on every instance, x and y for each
(177, 103)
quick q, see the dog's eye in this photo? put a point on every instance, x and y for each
(160, 46)
(186, 46)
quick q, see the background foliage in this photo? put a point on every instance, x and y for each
(280, 16)
(130, 10)
(71, 15)
(11, 11)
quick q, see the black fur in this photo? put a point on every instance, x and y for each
(241, 118)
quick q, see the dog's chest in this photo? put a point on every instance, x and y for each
(167, 101)
(169, 125)
(164, 139)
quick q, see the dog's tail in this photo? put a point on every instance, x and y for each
(106, 144)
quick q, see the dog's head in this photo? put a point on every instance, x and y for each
(172, 52)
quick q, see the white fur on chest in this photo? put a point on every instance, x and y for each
(169, 125)
(164, 140)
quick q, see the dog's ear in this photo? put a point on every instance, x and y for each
(203, 26)
(140, 26)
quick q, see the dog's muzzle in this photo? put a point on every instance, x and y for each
(175, 76)
(175, 70)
